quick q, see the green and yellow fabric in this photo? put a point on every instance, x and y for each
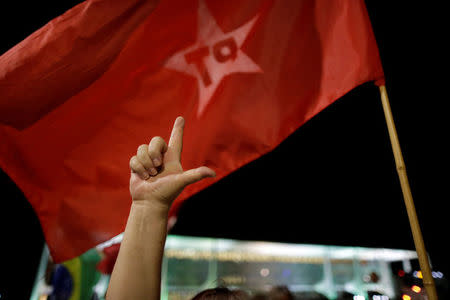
(84, 274)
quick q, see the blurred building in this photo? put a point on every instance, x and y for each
(309, 271)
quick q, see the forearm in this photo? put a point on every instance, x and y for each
(137, 272)
(156, 179)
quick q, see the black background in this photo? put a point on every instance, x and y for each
(332, 182)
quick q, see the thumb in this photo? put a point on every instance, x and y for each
(194, 175)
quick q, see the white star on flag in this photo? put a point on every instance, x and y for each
(214, 55)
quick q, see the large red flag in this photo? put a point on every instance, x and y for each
(78, 96)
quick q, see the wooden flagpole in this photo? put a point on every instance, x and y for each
(428, 281)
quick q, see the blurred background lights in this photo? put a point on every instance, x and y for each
(380, 297)
(406, 297)
(416, 288)
(418, 274)
(437, 274)
(359, 297)
(264, 272)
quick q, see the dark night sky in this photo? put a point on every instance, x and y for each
(332, 182)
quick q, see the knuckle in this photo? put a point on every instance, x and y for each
(157, 139)
(142, 148)
(156, 146)
(153, 153)
(143, 154)
(133, 161)
(157, 142)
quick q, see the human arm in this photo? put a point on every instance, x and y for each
(157, 178)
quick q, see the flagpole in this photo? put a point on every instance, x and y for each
(428, 281)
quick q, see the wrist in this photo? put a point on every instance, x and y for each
(151, 206)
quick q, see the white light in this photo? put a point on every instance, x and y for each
(380, 297)
(359, 297)
(437, 274)
(264, 272)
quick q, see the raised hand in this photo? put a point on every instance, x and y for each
(156, 171)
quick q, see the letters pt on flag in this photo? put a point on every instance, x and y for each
(79, 95)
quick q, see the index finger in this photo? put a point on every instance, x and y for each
(176, 138)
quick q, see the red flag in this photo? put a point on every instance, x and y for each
(79, 96)
(106, 264)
